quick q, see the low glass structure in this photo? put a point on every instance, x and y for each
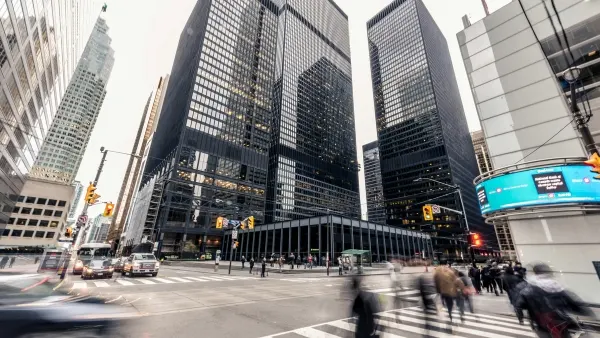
(330, 235)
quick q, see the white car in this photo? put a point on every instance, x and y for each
(141, 264)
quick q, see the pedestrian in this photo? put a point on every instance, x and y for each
(475, 275)
(496, 278)
(3, 262)
(264, 266)
(251, 264)
(548, 304)
(448, 285)
(513, 285)
(520, 271)
(305, 261)
(487, 277)
(12, 261)
(272, 259)
(468, 290)
(292, 260)
(243, 261)
(340, 266)
(364, 307)
(298, 261)
(310, 261)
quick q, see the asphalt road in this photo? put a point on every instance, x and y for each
(199, 303)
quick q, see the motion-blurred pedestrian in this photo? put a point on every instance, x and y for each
(365, 306)
(520, 271)
(3, 262)
(549, 304)
(467, 291)
(12, 261)
(251, 264)
(496, 275)
(243, 261)
(475, 275)
(513, 286)
(448, 285)
(263, 267)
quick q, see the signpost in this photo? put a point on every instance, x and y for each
(234, 234)
(435, 208)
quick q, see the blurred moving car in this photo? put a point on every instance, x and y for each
(117, 264)
(97, 268)
(30, 307)
(141, 264)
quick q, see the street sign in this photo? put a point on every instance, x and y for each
(225, 222)
(233, 246)
(82, 219)
(435, 208)
(234, 234)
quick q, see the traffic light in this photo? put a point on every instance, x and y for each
(90, 196)
(108, 209)
(68, 232)
(427, 212)
(475, 240)
(250, 222)
(594, 161)
(236, 244)
(219, 224)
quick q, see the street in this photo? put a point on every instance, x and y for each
(183, 302)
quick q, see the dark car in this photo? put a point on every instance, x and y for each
(117, 264)
(30, 305)
(98, 268)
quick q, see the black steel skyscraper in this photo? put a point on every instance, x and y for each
(373, 184)
(421, 125)
(312, 161)
(257, 87)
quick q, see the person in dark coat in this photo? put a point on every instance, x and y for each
(513, 285)
(496, 278)
(549, 304)
(263, 267)
(486, 277)
(475, 275)
(12, 261)
(520, 271)
(365, 307)
(3, 262)
(251, 264)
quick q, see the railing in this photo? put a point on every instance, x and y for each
(528, 165)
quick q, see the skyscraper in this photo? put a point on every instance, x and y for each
(77, 197)
(373, 184)
(215, 123)
(482, 154)
(135, 166)
(312, 157)
(63, 148)
(33, 79)
(421, 125)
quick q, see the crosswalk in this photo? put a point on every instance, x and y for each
(409, 322)
(405, 294)
(106, 283)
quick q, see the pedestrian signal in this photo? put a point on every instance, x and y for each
(427, 212)
(219, 224)
(250, 222)
(594, 161)
(68, 232)
(475, 240)
(108, 209)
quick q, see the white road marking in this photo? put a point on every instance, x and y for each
(79, 285)
(145, 281)
(313, 333)
(123, 282)
(101, 284)
(197, 279)
(163, 280)
(180, 280)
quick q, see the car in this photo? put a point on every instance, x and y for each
(97, 268)
(141, 264)
(117, 264)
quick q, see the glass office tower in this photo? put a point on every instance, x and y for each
(421, 125)
(373, 184)
(40, 45)
(312, 160)
(215, 125)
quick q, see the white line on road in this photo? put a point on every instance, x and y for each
(145, 281)
(197, 279)
(163, 280)
(112, 300)
(79, 285)
(101, 284)
(180, 280)
(313, 333)
(123, 282)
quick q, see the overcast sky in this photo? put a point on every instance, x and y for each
(145, 34)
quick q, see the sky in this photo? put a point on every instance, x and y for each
(145, 34)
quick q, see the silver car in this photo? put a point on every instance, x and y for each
(141, 264)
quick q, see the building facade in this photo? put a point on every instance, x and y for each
(421, 126)
(327, 237)
(77, 197)
(313, 166)
(71, 129)
(514, 63)
(135, 166)
(482, 154)
(98, 232)
(373, 184)
(39, 216)
(40, 45)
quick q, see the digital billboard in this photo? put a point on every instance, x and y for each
(541, 186)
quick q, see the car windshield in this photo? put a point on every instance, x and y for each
(99, 264)
(145, 257)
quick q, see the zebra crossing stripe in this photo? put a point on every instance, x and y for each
(402, 293)
(414, 329)
(145, 281)
(197, 279)
(79, 285)
(123, 282)
(180, 280)
(163, 280)
(214, 278)
(313, 333)
(473, 317)
(101, 284)
(496, 318)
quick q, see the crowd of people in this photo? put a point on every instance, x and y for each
(537, 296)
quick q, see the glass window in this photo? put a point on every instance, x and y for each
(41, 201)
(26, 211)
(48, 212)
(62, 203)
(33, 222)
(21, 199)
(21, 221)
(44, 223)
(54, 224)
(50, 234)
(28, 233)
(52, 202)
(30, 200)
(16, 233)
(37, 211)
(39, 234)
(11, 220)
(6, 232)
(57, 213)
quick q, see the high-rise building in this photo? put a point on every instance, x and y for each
(98, 232)
(313, 168)
(135, 166)
(421, 126)
(34, 78)
(77, 197)
(71, 129)
(482, 154)
(373, 184)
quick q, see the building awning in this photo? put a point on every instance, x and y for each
(355, 252)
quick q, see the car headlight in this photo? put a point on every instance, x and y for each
(79, 264)
(136, 266)
(156, 265)
(111, 269)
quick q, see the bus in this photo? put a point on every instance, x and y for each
(90, 251)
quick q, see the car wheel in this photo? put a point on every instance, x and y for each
(110, 276)
(155, 274)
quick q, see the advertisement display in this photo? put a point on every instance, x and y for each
(540, 186)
